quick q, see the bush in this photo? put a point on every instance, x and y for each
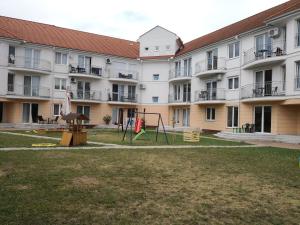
(107, 119)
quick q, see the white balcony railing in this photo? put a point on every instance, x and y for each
(28, 91)
(217, 63)
(210, 94)
(85, 95)
(259, 90)
(123, 74)
(185, 97)
(29, 63)
(275, 49)
(122, 97)
(180, 73)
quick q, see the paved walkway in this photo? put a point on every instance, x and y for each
(275, 144)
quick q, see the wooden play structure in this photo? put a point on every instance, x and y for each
(191, 135)
(75, 135)
(140, 126)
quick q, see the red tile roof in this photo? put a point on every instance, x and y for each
(44, 34)
(240, 27)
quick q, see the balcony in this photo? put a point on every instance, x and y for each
(184, 99)
(207, 67)
(210, 96)
(122, 98)
(28, 92)
(85, 96)
(85, 72)
(268, 54)
(274, 90)
(22, 63)
(120, 75)
(183, 74)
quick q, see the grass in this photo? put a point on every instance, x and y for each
(166, 186)
(115, 137)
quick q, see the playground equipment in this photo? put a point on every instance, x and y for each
(140, 126)
(74, 136)
(191, 135)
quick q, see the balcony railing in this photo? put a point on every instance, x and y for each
(184, 98)
(96, 71)
(28, 91)
(297, 83)
(210, 94)
(180, 73)
(259, 90)
(217, 63)
(85, 95)
(123, 74)
(275, 49)
(29, 63)
(122, 97)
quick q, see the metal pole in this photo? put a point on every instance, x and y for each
(157, 127)
(162, 123)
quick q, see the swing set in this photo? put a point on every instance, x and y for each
(140, 126)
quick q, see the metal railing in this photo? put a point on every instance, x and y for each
(210, 94)
(259, 90)
(29, 63)
(75, 68)
(28, 91)
(185, 97)
(275, 49)
(123, 74)
(122, 97)
(297, 83)
(85, 95)
(217, 63)
(182, 72)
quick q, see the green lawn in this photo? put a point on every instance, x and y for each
(115, 137)
(166, 186)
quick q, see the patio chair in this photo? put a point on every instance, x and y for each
(41, 120)
(55, 120)
(72, 69)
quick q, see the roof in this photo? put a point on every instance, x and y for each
(157, 26)
(44, 34)
(240, 27)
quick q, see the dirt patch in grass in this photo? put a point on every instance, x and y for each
(85, 182)
(22, 187)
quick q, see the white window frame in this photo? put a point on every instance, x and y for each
(61, 80)
(61, 55)
(234, 82)
(59, 109)
(233, 45)
(155, 97)
(209, 117)
(297, 77)
(232, 117)
(297, 35)
(156, 76)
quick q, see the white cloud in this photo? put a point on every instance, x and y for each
(129, 19)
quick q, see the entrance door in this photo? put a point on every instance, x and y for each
(1, 111)
(30, 113)
(85, 110)
(34, 112)
(263, 119)
(186, 117)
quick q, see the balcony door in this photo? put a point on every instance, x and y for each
(32, 58)
(186, 92)
(85, 110)
(211, 88)
(131, 93)
(186, 117)
(31, 85)
(212, 59)
(263, 83)
(30, 112)
(263, 45)
(263, 119)
(84, 63)
(83, 90)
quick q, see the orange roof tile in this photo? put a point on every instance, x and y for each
(240, 27)
(44, 34)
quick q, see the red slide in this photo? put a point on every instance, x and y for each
(138, 125)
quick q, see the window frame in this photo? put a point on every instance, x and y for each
(61, 82)
(234, 47)
(210, 114)
(155, 97)
(233, 114)
(155, 75)
(12, 88)
(61, 58)
(59, 109)
(235, 80)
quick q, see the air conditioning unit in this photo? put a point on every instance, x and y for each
(219, 77)
(73, 80)
(274, 32)
(108, 61)
(142, 86)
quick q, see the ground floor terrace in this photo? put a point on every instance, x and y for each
(275, 117)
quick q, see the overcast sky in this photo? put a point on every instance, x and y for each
(129, 19)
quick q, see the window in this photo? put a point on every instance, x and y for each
(155, 76)
(176, 115)
(297, 75)
(61, 58)
(10, 82)
(212, 59)
(57, 109)
(233, 83)
(234, 50)
(11, 54)
(84, 63)
(130, 113)
(187, 67)
(210, 114)
(177, 68)
(232, 116)
(298, 34)
(155, 99)
(60, 84)
(146, 48)
(177, 92)
(156, 48)
(283, 76)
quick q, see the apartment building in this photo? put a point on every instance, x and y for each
(247, 72)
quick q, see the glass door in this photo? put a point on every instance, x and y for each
(186, 117)
(211, 88)
(212, 59)
(79, 89)
(186, 92)
(35, 85)
(26, 113)
(263, 46)
(263, 119)
(87, 90)
(27, 85)
(115, 92)
(131, 93)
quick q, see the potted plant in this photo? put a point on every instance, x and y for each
(107, 119)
